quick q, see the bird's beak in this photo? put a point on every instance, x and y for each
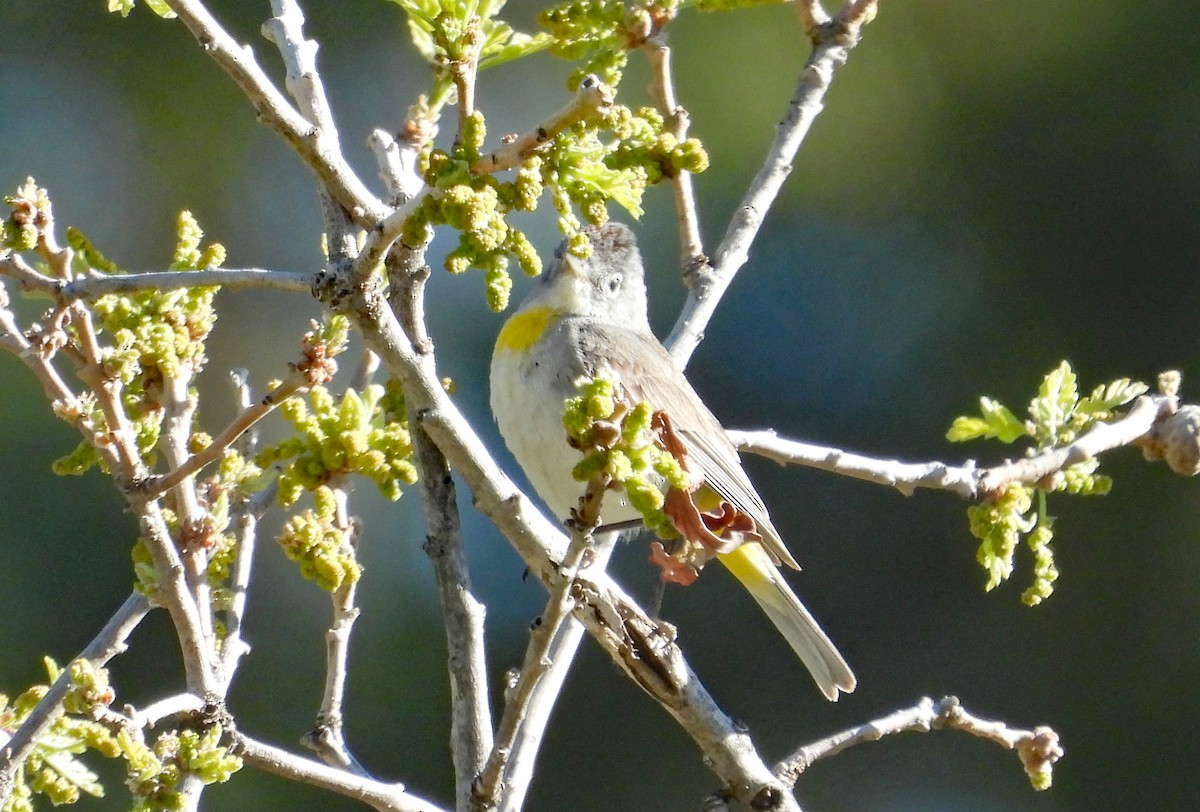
(573, 266)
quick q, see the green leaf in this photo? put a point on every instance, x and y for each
(72, 771)
(1107, 398)
(161, 9)
(1055, 401)
(997, 421)
(516, 46)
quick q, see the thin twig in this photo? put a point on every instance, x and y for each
(494, 782)
(376, 794)
(93, 287)
(965, 480)
(108, 643)
(97, 284)
(544, 694)
(179, 406)
(1038, 749)
(245, 517)
(327, 738)
(315, 146)
(464, 72)
(663, 87)
(707, 282)
(153, 487)
(592, 100)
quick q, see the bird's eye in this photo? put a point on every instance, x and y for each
(613, 282)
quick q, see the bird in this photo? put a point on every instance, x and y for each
(587, 317)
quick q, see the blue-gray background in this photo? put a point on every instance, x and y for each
(992, 187)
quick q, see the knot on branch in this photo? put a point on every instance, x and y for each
(1175, 439)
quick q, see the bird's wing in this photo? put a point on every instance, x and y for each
(660, 383)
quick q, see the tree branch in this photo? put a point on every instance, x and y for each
(542, 696)
(327, 739)
(707, 282)
(153, 487)
(967, 480)
(495, 786)
(592, 100)
(108, 643)
(1038, 749)
(691, 245)
(246, 516)
(376, 794)
(316, 146)
(463, 615)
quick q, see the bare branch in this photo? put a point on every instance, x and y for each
(376, 794)
(97, 284)
(245, 516)
(327, 739)
(463, 616)
(1038, 749)
(592, 100)
(156, 711)
(317, 147)
(394, 171)
(104, 646)
(179, 406)
(967, 480)
(494, 780)
(905, 477)
(93, 287)
(286, 31)
(154, 486)
(707, 282)
(542, 697)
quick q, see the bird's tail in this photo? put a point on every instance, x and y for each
(751, 565)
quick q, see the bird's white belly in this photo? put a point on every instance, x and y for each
(527, 403)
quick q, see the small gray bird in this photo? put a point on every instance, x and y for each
(587, 318)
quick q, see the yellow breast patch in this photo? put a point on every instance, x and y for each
(524, 329)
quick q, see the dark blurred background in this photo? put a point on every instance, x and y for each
(992, 187)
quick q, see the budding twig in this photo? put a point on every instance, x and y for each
(967, 480)
(690, 243)
(1038, 749)
(592, 100)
